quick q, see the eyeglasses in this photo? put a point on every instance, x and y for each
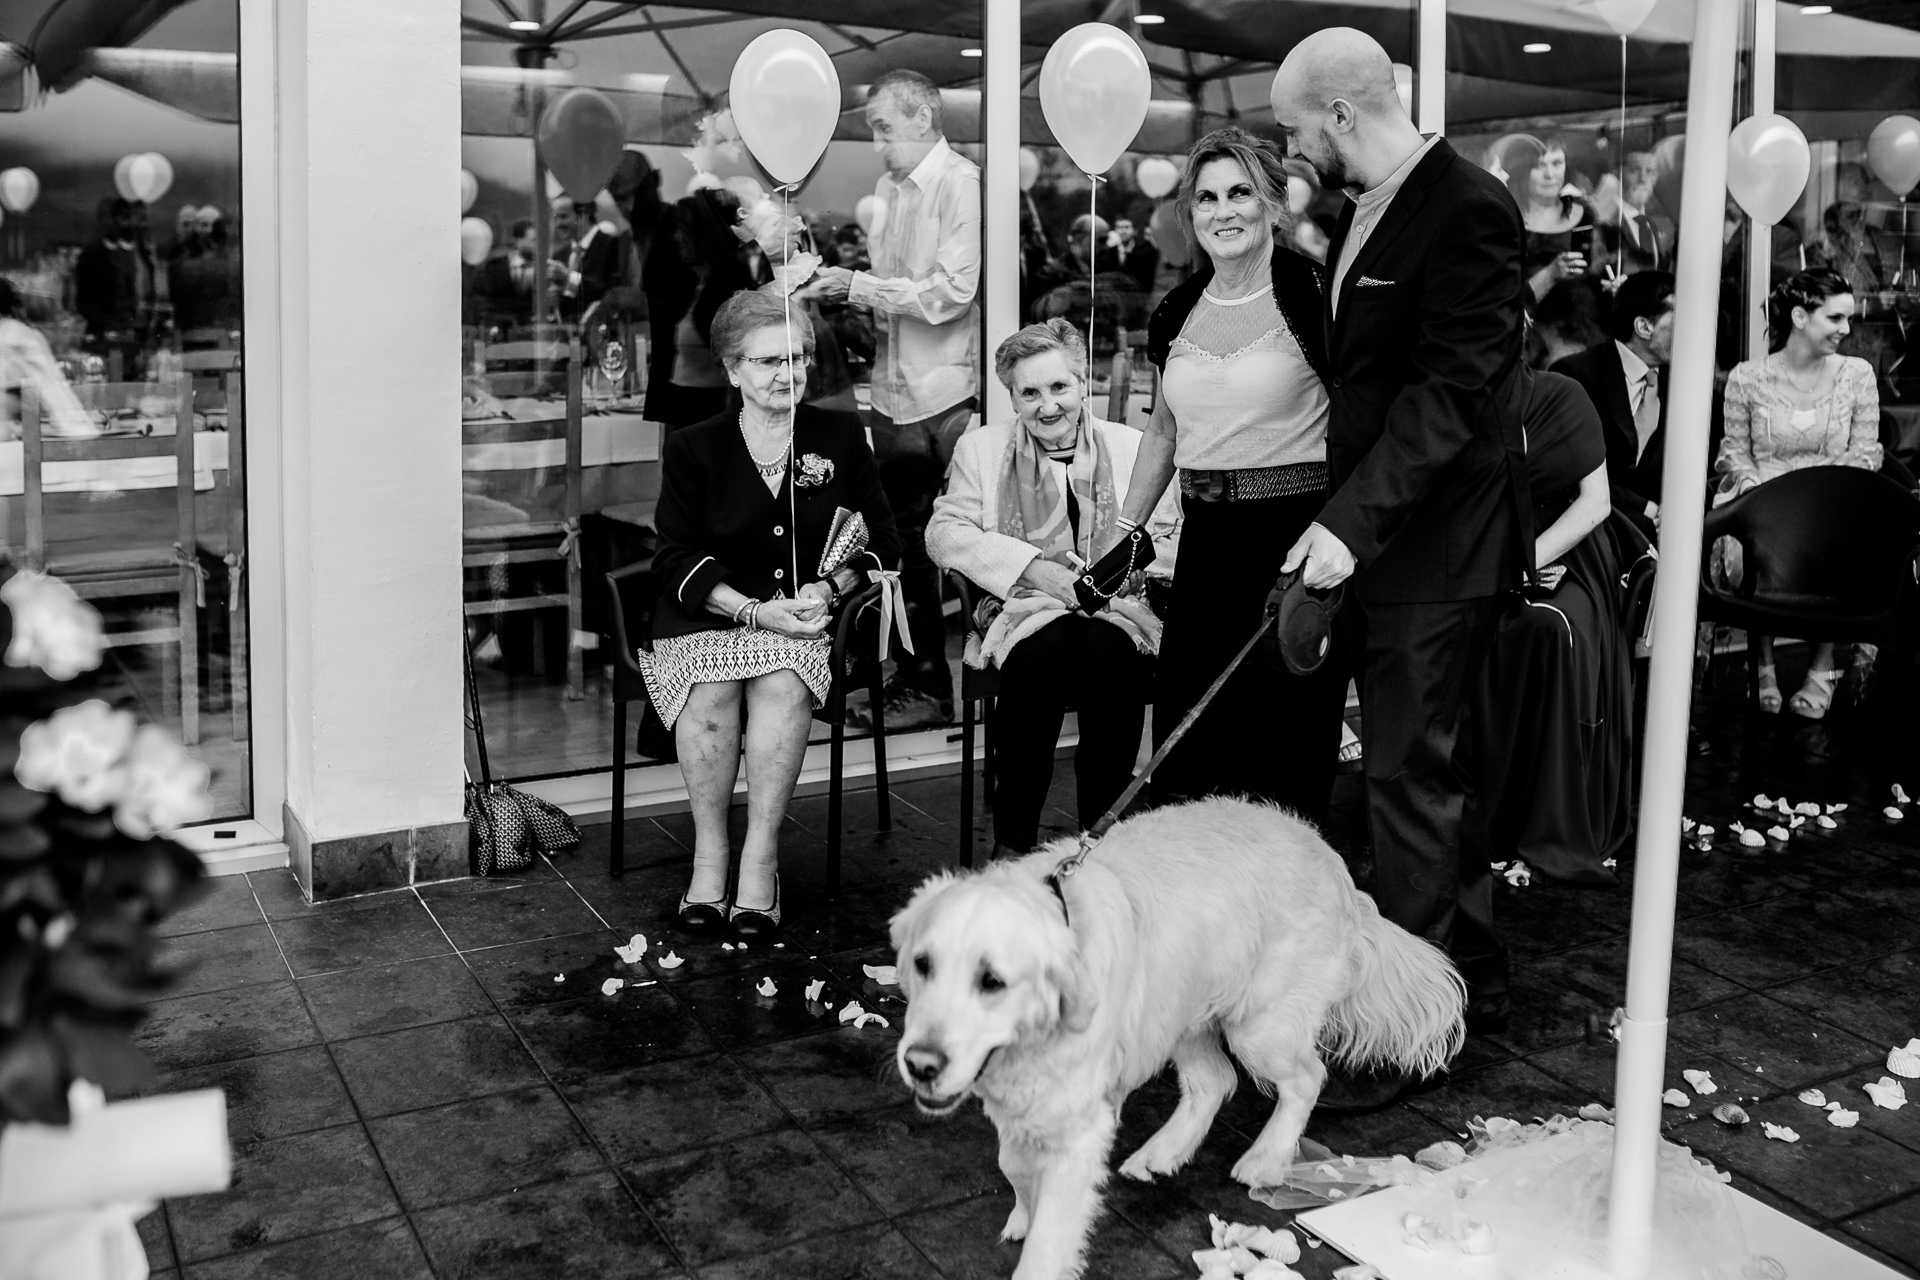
(767, 364)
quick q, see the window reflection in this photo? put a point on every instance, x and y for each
(121, 432)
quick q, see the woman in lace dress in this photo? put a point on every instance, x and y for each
(1242, 417)
(1802, 405)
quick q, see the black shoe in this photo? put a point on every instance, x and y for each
(1355, 1093)
(753, 922)
(701, 917)
(1489, 1016)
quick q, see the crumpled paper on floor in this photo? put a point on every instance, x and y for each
(1887, 1093)
(635, 948)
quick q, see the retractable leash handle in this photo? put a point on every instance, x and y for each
(1093, 835)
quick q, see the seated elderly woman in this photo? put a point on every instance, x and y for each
(747, 500)
(1026, 504)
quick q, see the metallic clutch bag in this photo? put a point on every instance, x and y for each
(846, 538)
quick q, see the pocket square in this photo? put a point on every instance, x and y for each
(1368, 282)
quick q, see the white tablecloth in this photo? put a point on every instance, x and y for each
(605, 439)
(113, 474)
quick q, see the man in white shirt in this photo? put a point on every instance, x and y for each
(1626, 380)
(922, 291)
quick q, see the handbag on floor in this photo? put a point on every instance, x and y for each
(506, 827)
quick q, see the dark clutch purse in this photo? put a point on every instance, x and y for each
(1106, 577)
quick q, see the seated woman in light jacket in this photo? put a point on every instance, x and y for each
(1026, 503)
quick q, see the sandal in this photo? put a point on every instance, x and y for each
(1350, 749)
(1815, 696)
(1767, 694)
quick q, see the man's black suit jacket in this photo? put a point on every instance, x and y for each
(1425, 381)
(1633, 474)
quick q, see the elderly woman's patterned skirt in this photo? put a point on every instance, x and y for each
(675, 664)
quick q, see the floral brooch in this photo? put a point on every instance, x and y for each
(814, 471)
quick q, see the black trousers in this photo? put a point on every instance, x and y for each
(1430, 851)
(912, 458)
(1093, 667)
(1268, 734)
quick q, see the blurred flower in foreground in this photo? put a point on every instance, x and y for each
(53, 628)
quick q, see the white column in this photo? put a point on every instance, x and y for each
(1759, 238)
(1000, 219)
(1430, 85)
(1643, 1035)
(368, 426)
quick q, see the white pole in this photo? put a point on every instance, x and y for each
(1000, 219)
(1643, 1036)
(1760, 238)
(1430, 87)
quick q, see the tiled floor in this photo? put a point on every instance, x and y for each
(429, 1083)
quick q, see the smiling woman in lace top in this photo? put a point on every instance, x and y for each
(1802, 405)
(1242, 417)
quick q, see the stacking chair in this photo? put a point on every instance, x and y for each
(979, 687)
(225, 541)
(1828, 553)
(126, 572)
(631, 592)
(207, 371)
(512, 536)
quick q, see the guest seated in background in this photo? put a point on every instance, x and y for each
(1552, 716)
(27, 361)
(1025, 507)
(1135, 255)
(1802, 405)
(1626, 379)
(746, 501)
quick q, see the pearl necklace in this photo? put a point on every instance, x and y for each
(779, 461)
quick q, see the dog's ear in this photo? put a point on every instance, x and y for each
(1074, 989)
(905, 926)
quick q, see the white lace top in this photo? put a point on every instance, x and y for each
(1769, 434)
(1241, 390)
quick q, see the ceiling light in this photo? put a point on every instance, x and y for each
(1816, 10)
(1148, 19)
(523, 24)
(1542, 47)
(972, 53)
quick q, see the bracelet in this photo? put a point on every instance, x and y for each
(1126, 525)
(744, 606)
(753, 616)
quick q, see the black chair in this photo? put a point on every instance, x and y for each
(631, 592)
(1639, 565)
(979, 686)
(1827, 553)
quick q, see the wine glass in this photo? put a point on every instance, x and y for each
(613, 364)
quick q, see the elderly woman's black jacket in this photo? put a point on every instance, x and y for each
(718, 524)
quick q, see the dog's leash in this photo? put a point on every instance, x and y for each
(1093, 835)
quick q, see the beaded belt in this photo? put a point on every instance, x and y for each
(1254, 482)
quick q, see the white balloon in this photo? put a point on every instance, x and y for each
(1299, 194)
(148, 175)
(476, 239)
(121, 181)
(1156, 176)
(19, 188)
(871, 213)
(553, 186)
(469, 190)
(1624, 16)
(1029, 168)
(1767, 165)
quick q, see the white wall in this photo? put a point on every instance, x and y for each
(367, 165)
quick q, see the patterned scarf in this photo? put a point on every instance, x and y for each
(1033, 508)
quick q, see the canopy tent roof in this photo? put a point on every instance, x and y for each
(1212, 59)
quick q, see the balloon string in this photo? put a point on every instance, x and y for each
(793, 402)
(1093, 269)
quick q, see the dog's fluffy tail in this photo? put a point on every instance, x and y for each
(1407, 1005)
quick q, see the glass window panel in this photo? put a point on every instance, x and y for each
(1840, 77)
(120, 248)
(1587, 128)
(638, 295)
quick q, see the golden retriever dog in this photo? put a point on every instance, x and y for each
(1190, 932)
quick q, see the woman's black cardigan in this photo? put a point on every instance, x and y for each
(718, 524)
(1299, 290)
